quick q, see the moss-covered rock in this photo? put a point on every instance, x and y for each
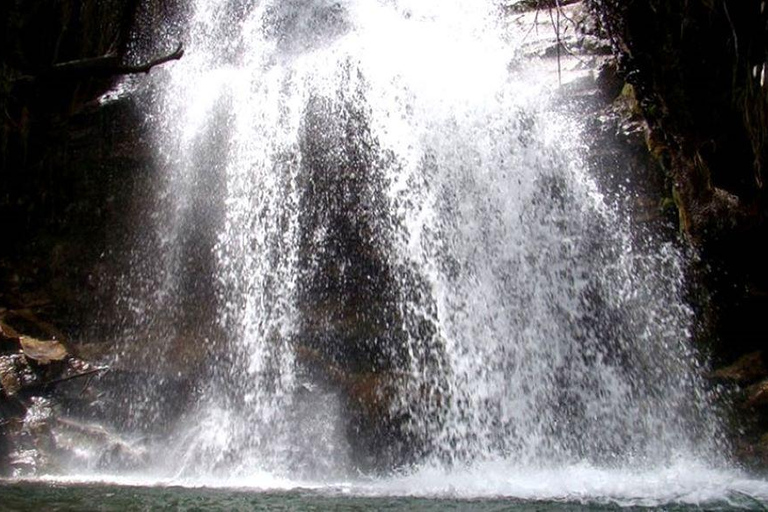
(696, 71)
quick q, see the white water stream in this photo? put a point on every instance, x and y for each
(403, 166)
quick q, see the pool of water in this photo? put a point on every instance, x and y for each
(682, 486)
(36, 496)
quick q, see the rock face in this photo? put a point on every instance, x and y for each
(73, 161)
(348, 295)
(31, 372)
(69, 167)
(744, 371)
(62, 169)
(746, 383)
(697, 71)
(354, 332)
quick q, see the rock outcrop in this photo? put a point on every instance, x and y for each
(31, 372)
(69, 159)
(695, 74)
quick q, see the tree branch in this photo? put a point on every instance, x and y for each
(129, 70)
(54, 382)
(108, 65)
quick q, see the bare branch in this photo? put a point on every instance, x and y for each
(54, 382)
(128, 70)
(107, 65)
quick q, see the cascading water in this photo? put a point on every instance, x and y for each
(375, 228)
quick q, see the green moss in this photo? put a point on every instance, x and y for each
(667, 204)
(683, 220)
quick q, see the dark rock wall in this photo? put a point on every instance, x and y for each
(697, 70)
(692, 65)
(68, 161)
(69, 165)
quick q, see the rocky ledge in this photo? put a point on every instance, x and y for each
(36, 369)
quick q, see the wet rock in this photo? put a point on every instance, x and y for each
(757, 395)
(753, 454)
(31, 371)
(8, 342)
(42, 441)
(365, 391)
(592, 45)
(608, 80)
(23, 462)
(745, 370)
(114, 452)
(24, 321)
(29, 438)
(10, 378)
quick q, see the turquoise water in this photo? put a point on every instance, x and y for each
(36, 496)
(485, 487)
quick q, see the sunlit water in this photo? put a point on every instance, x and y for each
(407, 165)
(107, 498)
(484, 487)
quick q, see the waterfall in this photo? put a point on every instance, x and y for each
(373, 242)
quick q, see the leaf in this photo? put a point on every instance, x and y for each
(43, 351)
